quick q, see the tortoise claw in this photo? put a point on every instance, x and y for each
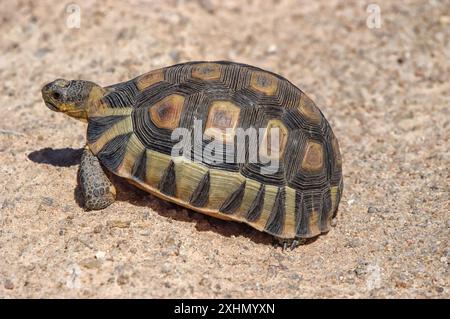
(291, 244)
(294, 244)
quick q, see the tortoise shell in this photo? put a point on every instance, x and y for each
(132, 134)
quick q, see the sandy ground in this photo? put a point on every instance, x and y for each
(384, 90)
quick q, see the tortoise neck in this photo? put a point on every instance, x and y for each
(95, 104)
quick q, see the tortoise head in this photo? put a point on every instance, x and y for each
(75, 98)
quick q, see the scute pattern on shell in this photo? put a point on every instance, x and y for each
(296, 201)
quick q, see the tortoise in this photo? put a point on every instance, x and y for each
(156, 131)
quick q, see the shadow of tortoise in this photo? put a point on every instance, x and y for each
(63, 157)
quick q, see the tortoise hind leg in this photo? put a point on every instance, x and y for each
(98, 191)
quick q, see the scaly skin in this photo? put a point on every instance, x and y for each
(98, 191)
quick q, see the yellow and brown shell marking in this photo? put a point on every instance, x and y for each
(132, 138)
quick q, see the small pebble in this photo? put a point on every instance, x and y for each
(372, 210)
(361, 269)
(175, 55)
(122, 279)
(207, 5)
(67, 208)
(166, 268)
(91, 263)
(351, 243)
(41, 52)
(272, 49)
(401, 284)
(98, 229)
(295, 276)
(47, 201)
(334, 222)
(100, 254)
(205, 282)
(118, 223)
(8, 284)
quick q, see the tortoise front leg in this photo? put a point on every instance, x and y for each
(98, 191)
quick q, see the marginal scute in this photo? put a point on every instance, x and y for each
(113, 152)
(218, 192)
(232, 203)
(139, 168)
(336, 151)
(100, 124)
(290, 219)
(188, 176)
(264, 82)
(313, 160)
(255, 210)
(134, 150)
(200, 195)
(314, 224)
(334, 191)
(167, 112)
(251, 191)
(157, 163)
(270, 193)
(276, 220)
(123, 126)
(222, 120)
(206, 71)
(150, 78)
(167, 185)
(308, 109)
(327, 212)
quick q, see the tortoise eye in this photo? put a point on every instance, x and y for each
(56, 95)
